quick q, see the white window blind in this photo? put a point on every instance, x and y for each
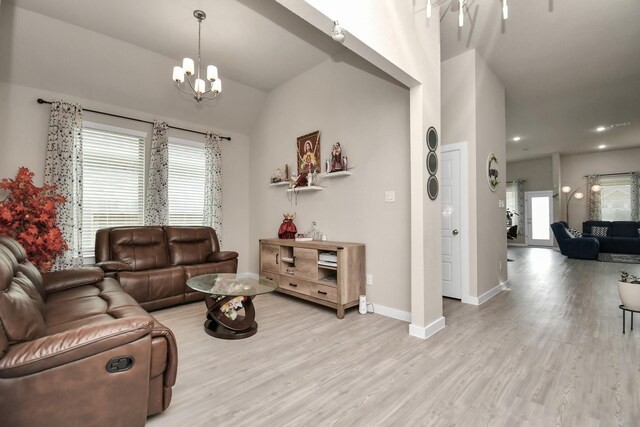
(186, 182)
(113, 179)
(615, 198)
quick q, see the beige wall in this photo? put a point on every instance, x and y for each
(349, 101)
(33, 66)
(474, 112)
(575, 167)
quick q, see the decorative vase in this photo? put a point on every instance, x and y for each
(629, 295)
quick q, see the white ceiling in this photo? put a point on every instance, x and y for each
(568, 66)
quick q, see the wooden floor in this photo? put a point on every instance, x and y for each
(547, 351)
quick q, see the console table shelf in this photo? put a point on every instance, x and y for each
(294, 266)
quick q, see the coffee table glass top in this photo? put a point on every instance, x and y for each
(242, 284)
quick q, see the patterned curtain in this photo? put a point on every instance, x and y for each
(157, 196)
(213, 184)
(594, 210)
(520, 195)
(63, 168)
(635, 196)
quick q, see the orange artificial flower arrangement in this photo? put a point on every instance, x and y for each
(28, 214)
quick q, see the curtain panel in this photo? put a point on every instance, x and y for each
(594, 206)
(63, 168)
(156, 204)
(213, 184)
(520, 195)
(635, 196)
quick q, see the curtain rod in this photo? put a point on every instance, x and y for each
(228, 138)
(609, 174)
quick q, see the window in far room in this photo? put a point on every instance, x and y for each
(186, 182)
(512, 196)
(113, 180)
(615, 198)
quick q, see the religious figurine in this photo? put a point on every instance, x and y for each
(336, 157)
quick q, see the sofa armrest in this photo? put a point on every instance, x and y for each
(58, 280)
(113, 266)
(170, 373)
(69, 346)
(222, 256)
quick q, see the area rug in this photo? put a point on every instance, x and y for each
(623, 258)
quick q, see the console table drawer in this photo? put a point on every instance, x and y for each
(325, 292)
(295, 285)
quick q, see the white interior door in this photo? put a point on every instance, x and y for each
(539, 212)
(450, 182)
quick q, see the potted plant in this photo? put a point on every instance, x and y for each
(28, 214)
(629, 290)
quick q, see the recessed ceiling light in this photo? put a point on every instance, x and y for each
(516, 138)
(601, 129)
(601, 146)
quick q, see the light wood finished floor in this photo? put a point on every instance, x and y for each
(548, 351)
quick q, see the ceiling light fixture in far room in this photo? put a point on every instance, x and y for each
(197, 86)
(516, 138)
(602, 146)
(601, 128)
(461, 9)
(338, 33)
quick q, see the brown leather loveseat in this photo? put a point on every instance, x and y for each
(153, 263)
(76, 350)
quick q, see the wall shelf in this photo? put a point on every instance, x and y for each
(335, 174)
(278, 184)
(308, 188)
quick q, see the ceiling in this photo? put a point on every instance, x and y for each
(568, 66)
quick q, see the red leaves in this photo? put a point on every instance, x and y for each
(28, 214)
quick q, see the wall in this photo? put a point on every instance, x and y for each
(537, 175)
(350, 101)
(473, 111)
(575, 167)
(54, 60)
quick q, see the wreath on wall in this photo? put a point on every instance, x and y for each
(492, 172)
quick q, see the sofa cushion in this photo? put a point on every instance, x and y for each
(190, 245)
(624, 229)
(145, 286)
(143, 248)
(599, 231)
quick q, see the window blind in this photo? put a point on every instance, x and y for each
(186, 182)
(113, 179)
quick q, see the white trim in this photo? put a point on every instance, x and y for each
(524, 245)
(487, 295)
(464, 218)
(425, 332)
(114, 129)
(393, 313)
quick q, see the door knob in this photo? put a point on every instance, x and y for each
(455, 231)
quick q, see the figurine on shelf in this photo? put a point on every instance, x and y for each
(288, 229)
(277, 176)
(336, 158)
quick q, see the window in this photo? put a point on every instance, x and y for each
(186, 182)
(113, 181)
(512, 196)
(615, 198)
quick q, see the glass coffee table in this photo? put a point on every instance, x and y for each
(226, 295)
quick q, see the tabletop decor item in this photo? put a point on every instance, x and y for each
(308, 153)
(288, 229)
(28, 214)
(629, 291)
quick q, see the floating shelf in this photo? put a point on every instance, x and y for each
(335, 174)
(278, 184)
(308, 188)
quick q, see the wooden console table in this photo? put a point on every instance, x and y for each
(295, 267)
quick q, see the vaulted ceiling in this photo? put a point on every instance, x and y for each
(568, 66)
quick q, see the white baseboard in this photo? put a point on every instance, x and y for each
(425, 332)
(487, 295)
(517, 244)
(393, 313)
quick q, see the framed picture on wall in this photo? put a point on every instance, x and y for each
(308, 156)
(492, 171)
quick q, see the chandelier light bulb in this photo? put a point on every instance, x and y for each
(428, 8)
(460, 13)
(505, 10)
(199, 86)
(566, 189)
(212, 73)
(216, 86)
(596, 188)
(188, 66)
(578, 195)
(178, 74)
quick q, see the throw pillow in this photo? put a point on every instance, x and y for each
(599, 231)
(575, 233)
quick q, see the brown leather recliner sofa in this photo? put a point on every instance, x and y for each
(76, 350)
(153, 263)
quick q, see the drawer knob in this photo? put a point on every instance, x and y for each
(295, 285)
(322, 293)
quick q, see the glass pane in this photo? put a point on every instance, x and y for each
(616, 202)
(540, 218)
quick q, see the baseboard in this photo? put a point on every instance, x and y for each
(425, 332)
(517, 244)
(487, 295)
(393, 313)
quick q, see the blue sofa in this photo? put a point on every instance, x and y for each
(622, 236)
(575, 247)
